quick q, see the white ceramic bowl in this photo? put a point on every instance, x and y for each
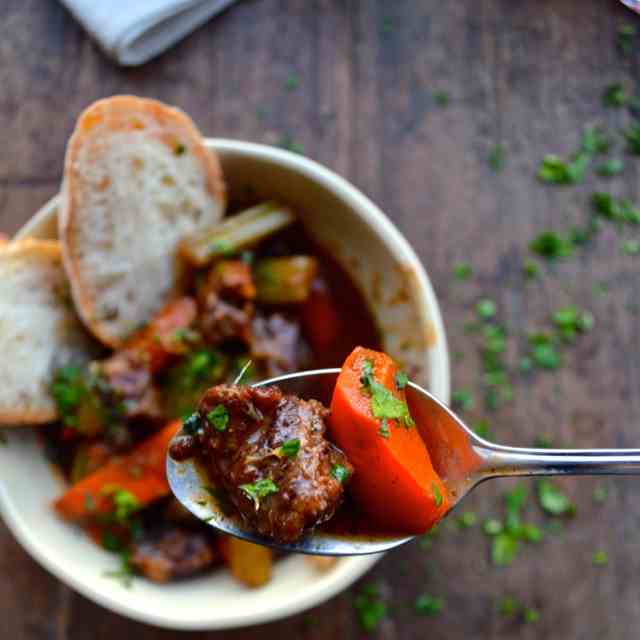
(398, 291)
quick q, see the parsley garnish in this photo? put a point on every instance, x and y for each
(288, 143)
(617, 210)
(600, 493)
(259, 489)
(124, 574)
(486, 309)
(630, 248)
(68, 391)
(437, 496)
(289, 449)
(384, 428)
(369, 607)
(496, 157)
(462, 270)
(384, 405)
(571, 321)
(291, 82)
(530, 615)
(504, 549)
(467, 519)
(401, 380)
(441, 98)
(552, 500)
(554, 170)
(594, 140)
(492, 527)
(624, 38)
(551, 245)
(614, 96)
(507, 606)
(218, 417)
(340, 473)
(462, 399)
(600, 558)
(611, 167)
(530, 269)
(426, 605)
(126, 504)
(543, 352)
(632, 135)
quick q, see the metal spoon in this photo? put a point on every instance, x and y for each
(462, 459)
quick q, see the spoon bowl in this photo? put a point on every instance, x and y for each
(460, 457)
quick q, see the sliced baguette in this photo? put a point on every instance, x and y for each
(39, 330)
(137, 179)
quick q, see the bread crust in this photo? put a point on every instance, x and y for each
(110, 115)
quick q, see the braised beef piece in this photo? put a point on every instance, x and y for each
(125, 385)
(278, 346)
(279, 491)
(225, 300)
(173, 553)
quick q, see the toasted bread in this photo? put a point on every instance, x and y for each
(39, 330)
(137, 179)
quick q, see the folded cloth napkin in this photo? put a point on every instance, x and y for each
(134, 31)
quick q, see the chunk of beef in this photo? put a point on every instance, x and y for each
(278, 346)
(298, 490)
(226, 305)
(173, 553)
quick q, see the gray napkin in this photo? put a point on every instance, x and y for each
(134, 31)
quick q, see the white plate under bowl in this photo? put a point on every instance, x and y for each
(400, 296)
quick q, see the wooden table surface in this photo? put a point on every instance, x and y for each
(357, 84)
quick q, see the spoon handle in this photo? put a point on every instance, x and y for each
(499, 461)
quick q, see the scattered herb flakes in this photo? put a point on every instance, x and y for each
(630, 248)
(594, 140)
(437, 496)
(291, 83)
(617, 210)
(340, 473)
(530, 615)
(260, 489)
(481, 428)
(552, 500)
(462, 271)
(554, 170)
(68, 390)
(387, 25)
(218, 417)
(614, 96)
(402, 380)
(530, 269)
(370, 609)
(504, 549)
(551, 246)
(492, 527)
(599, 558)
(508, 606)
(289, 449)
(462, 399)
(600, 493)
(600, 289)
(497, 156)
(441, 98)
(531, 533)
(125, 503)
(543, 441)
(544, 353)
(569, 321)
(467, 519)
(609, 168)
(624, 38)
(525, 364)
(486, 309)
(124, 574)
(426, 605)
(632, 136)
(288, 143)
(384, 405)
(383, 432)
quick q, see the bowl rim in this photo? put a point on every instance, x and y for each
(350, 569)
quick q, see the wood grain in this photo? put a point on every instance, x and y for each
(525, 74)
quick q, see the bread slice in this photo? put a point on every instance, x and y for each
(39, 329)
(137, 179)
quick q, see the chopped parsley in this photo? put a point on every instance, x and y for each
(218, 417)
(437, 496)
(125, 503)
(496, 158)
(291, 83)
(467, 519)
(486, 309)
(530, 269)
(462, 399)
(617, 210)
(124, 574)
(68, 390)
(624, 38)
(551, 246)
(259, 489)
(530, 615)
(508, 606)
(401, 380)
(289, 449)
(552, 500)
(599, 558)
(288, 143)
(614, 96)
(492, 527)
(554, 170)
(630, 248)
(600, 493)
(384, 428)
(192, 424)
(426, 605)
(481, 428)
(384, 405)
(370, 608)
(462, 271)
(632, 135)
(609, 168)
(594, 140)
(441, 98)
(504, 549)
(570, 321)
(340, 473)
(544, 353)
